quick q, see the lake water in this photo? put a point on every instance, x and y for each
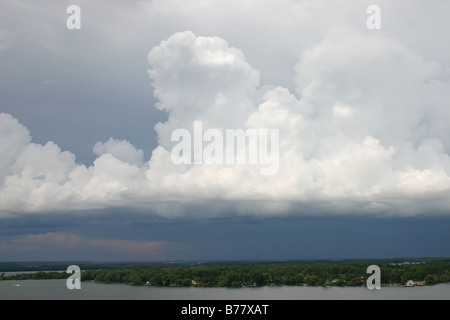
(57, 290)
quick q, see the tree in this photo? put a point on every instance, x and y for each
(312, 280)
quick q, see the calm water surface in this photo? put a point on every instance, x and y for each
(57, 290)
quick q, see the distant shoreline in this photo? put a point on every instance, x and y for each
(325, 273)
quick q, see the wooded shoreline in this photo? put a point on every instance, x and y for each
(253, 273)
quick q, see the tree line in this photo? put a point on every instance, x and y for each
(326, 273)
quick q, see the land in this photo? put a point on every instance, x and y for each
(394, 272)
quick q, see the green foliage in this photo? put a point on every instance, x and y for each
(259, 273)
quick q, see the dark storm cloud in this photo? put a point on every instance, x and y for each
(137, 239)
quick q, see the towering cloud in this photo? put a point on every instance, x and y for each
(201, 78)
(363, 133)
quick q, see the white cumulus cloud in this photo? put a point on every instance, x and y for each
(364, 132)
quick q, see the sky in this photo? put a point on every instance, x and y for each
(359, 166)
